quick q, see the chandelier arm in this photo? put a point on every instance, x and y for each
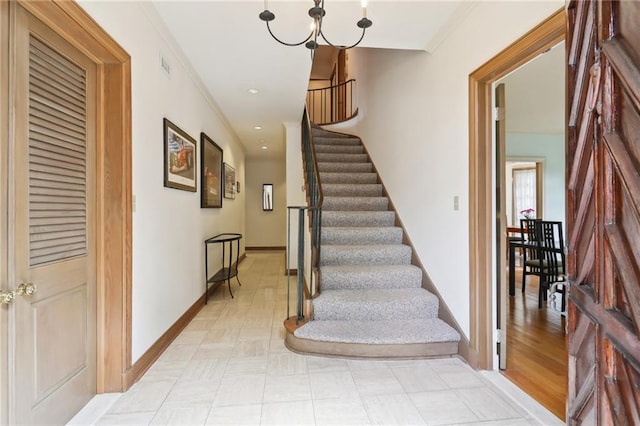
(343, 47)
(284, 42)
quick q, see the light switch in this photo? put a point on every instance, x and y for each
(456, 203)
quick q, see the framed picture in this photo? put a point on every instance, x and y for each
(267, 197)
(179, 158)
(229, 181)
(210, 173)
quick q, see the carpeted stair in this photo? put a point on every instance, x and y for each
(371, 301)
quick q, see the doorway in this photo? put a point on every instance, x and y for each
(482, 230)
(534, 119)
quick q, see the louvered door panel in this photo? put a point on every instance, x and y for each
(57, 157)
(604, 213)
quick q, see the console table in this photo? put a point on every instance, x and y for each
(227, 272)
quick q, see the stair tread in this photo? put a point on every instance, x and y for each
(428, 330)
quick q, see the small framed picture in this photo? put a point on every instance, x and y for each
(210, 173)
(179, 158)
(229, 181)
(267, 197)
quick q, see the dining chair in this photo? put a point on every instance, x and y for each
(554, 260)
(549, 261)
(529, 236)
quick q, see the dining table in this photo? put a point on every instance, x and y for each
(514, 243)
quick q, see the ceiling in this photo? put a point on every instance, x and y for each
(231, 51)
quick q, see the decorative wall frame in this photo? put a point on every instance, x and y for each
(229, 181)
(179, 158)
(211, 167)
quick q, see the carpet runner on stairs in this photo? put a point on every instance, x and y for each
(370, 293)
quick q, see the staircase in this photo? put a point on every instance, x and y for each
(371, 302)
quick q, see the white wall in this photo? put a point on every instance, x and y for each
(549, 148)
(265, 228)
(169, 226)
(295, 184)
(414, 122)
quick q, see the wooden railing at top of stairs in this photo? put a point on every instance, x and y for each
(333, 104)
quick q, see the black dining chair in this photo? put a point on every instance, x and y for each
(548, 260)
(530, 238)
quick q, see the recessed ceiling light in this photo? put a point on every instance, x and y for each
(264, 147)
(258, 127)
(253, 91)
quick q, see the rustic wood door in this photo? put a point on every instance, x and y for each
(604, 211)
(52, 334)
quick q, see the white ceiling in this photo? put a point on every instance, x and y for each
(232, 52)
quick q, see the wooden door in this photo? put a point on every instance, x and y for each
(501, 223)
(52, 332)
(604, 212)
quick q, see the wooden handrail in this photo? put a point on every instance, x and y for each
(333, 104)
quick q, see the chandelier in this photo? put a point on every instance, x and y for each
(317, 12)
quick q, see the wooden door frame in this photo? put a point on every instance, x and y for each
(113, 192)
(481, 222)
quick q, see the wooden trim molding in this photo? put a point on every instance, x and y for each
(4, 220)
(147, 359)
(481, 223)
(159, 346)
(114, 193)
(276, 248)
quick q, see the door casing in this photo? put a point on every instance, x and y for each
(114, 191)
(481, 223)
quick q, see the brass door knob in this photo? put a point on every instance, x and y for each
(26, 289)
(6, 296)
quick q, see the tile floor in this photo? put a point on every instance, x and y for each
(230, 367)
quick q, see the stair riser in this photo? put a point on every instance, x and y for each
(390, 255)
(345, 167)
(340, 149)
(331, 235)
(372, 311)
(348, 178)
(369, 277)
(355, 204)
(335, 141)
(358, 219)
(352, 190)
(341, 158)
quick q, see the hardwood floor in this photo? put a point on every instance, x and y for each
(536, 347)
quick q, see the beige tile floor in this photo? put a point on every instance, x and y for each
(230, 367)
